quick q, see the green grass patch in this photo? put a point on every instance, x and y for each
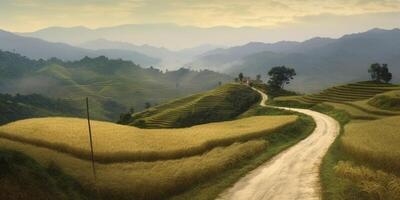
(23, 178)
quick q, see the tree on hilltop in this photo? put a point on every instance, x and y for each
(258, 77)
(147, 105)
(380, 72)
(241, 77)
(279, 76)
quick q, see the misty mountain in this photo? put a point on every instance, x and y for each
(170, 36)
(112, 85)
(319, 62)
(40, 49)
(169, 59)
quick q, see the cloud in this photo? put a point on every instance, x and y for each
(29, 15)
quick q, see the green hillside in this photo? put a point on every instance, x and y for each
(387, 101)
(23, 178)
(112, 85)
(17, 107)
(223, 103)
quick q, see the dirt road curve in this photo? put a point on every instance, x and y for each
(294, 173)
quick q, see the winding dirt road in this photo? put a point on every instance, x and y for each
(294, 173)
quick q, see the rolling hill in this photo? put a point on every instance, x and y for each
(40, 49)
(177, 159)
(18, 107)
(223, 103)
(112, 85)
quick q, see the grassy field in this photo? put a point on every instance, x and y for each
(143, 180)
(114, 142)
(226, 151)
(223, 103)
(374, 142)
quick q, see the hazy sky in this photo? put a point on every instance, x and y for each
(31, 15)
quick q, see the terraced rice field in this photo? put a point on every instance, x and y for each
(355, 113)
(223, 103)
(118, 143)
(349, 92)
(353, 98)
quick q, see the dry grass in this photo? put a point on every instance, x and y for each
(375, 184)
(144, 180)
(375, 142)
(118, 143)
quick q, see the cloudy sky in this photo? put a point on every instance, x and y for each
(30, 15)
(274, 20)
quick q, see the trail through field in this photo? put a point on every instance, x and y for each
(294, 173)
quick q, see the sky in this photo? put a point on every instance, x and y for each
(31, 15)
(253, 20)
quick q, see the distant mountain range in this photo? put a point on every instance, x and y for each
(40, 49)
(171, 36)
(319, 62)
(113, 85)
(168, 59)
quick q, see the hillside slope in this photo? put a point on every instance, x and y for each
(111, 85)
(388, 100)
(40, 49)
(22, 178)
(17, 107)
(223, 103)
(344, 93)
(176, 159)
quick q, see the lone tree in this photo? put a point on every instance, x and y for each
(380, 73)
(241, 77)
(279, 76)
(258, 77)
(147, 105)
(125, 118)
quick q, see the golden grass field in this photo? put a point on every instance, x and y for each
(118, 143)
(144, 180)
(375, 183)
(375, 142)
